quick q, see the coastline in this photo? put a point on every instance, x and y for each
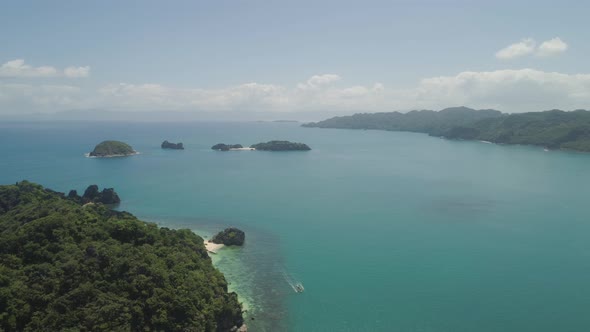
(230, 263)
(242, 149)
(213, 248)
(87, 155)
(232, 268)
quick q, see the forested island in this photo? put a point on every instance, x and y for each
(226, 147)
(74, 267)
(267, 146)
(112, 149)
(172, 146)
(553, 129)
(281, 146)
(230, 237)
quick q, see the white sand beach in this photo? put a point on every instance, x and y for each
(213, 247)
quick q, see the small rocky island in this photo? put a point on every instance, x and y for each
(173, 146)
(281, 146)
(230, 237)
(112, 149)
(93, 195)
(226, 147)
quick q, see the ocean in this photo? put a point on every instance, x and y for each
(387, 231)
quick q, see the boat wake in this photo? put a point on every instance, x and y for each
(295, 284)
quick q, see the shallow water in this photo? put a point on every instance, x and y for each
(387, 231)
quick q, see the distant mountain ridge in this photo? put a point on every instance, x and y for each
(424, 121)
(553, 129)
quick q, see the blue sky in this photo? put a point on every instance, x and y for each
(261, 55)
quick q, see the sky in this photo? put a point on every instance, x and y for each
(281, 58)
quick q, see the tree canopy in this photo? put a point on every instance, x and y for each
(64, 266)
(552, 129)
(112, 148)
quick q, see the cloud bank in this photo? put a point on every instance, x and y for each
(519, 90)
(19, 69)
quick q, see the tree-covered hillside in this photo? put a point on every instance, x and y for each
(69, 267)
(553, 129)
(429, 122)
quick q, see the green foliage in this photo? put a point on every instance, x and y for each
(552, 129)
(281, 146)
(230, 237)
(226, 147)
(112, 148)
(429, 122)
(68, 267)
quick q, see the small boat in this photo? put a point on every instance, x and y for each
(299, 287)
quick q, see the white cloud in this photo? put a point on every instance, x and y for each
(524, 47)
(519, 90)
(528, 46)
(508, 90)
(317, 81)
(19, 69)
(552, 47)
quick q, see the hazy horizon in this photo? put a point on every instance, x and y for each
(179, 116)
(309, 60)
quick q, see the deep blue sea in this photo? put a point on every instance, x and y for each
(387, 231)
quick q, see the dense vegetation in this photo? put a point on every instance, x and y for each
(230, 237)
(112, 148)
(281, 146)
(64, 266)
(430, 122)
(173, 146)
(552, 129)
(226, 147)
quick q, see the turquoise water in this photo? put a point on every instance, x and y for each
(387, 231)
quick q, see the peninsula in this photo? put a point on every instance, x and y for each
(65, 266)
(554, 129)
(112, 149)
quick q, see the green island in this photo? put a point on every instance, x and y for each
(65, 266)
(226, 147)
(112, 149)
(230, 237)
(554, 129)
(172, 146)
(281, 146)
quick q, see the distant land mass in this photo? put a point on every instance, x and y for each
(226, 147)
(173, 146)
(554, 129)
(281, 146)
(112, 149)
(65, 266)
